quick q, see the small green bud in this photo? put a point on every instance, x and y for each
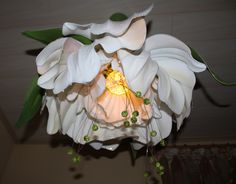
(162, 142)
(86, 138)
(161, 173)
(146, 174)
(161, 168)
(70, 152)
(134, 119)
(76, 159)
(95, 127)
(124, 113)
(126, 123)
(146, 101)
(157, 165)
(135, 113)
(153, 133)
(138, 94)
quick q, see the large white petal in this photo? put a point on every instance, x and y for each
(162, 45)
(82, 67)
(132, 39)
(139, 70)
(115, 28)
(178, 71)
(54, 123)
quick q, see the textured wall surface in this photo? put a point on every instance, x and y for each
(207, 25)
(6, 146)
(42, 164)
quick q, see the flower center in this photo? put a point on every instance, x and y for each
(115, 83)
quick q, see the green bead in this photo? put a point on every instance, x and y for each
(162, 142)
(161, 168)
(70, 152)
(135, 113)
(161, 173)
(153, 133)
(146, 174)
(95, 127)
(157, 165)
(138, 94)
(151, 159)
(126, 123)
(146, 101)
(76, 159)
(134, 119)
(86, 138)
(124, 113)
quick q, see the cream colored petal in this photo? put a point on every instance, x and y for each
(52, 61)
(139, 70)
(115, 28)
(53, 124)
(132, 39)
(178, 71)
(162, 126)
(82, 67)
(98, 87)
(50, 55)
(162, 45)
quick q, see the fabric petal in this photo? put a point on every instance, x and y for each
(162, 45)
(53, 124)
(82, 67)
(132, 39)
(115, 28)
(139, 70)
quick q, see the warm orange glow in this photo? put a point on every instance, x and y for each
(115, 83)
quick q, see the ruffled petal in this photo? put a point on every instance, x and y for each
(82, 67)
(139, 70)
(115, 28)
(53, 124)
(132, 39)
(66, 61)
(177, 70)
(169, 47)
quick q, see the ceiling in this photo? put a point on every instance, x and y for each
(209, 26)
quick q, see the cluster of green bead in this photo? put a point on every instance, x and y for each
(159, 168)
(75, 157)
(146, 101)
(94, 128)
(133, 119)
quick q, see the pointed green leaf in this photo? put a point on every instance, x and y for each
(133, 152)
(32, 103)
(48, 35)
(118, 17)
(45, 36)
(82, 39)
(213, 74)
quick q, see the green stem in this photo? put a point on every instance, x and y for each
(213, 74)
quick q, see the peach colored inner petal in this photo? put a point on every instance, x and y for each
(113, 106)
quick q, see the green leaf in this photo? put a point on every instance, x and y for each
(48, 35)
(32, 104)
(133, 152)
(82, 39)
(213, 74)
(45, 36)
(118, 17)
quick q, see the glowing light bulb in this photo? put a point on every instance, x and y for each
(115, 83)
